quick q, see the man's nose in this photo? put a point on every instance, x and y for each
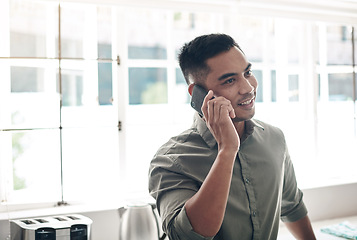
(245, 86)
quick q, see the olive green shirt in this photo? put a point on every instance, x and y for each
(263, 188)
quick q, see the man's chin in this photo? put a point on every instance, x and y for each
(241, 118)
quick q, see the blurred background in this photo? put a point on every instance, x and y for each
(90, 89)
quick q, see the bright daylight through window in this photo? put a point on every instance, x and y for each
(64, 91)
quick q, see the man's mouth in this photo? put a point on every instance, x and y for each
(246, 102)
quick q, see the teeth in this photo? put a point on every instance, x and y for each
(245, 103)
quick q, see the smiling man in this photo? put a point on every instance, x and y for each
(228, 176)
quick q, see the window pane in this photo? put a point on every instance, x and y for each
(33, 101)
(27, 79)
(259, 76)
(339, 45)
(34, 110)
(344, 149)
(104, 15)
(180, 91)
(340, 87)
(273, 85)
(141, 25)
(36, 169)
(87, 97)
(251, 41)
(72, 88)
(271, 40)
(72, 32)
(29, 21)
(319, 86)
(105, 86)
(137, 163)
(293, 88)
(293, 41)
(90, 163)
(188, 25)
(355, 41)
(147, 85)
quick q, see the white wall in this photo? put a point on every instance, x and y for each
(331, 202)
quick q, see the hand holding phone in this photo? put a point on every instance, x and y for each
(198, 95)
(220, 125)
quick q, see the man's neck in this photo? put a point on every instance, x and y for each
(240, 127)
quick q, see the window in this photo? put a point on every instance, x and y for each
(336, 107)
(57, 103)
(64, 93)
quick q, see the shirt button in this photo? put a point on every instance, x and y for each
(254, 213)
(247, 180)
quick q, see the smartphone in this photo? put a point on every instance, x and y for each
(198, 94)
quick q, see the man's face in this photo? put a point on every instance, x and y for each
(230, 76)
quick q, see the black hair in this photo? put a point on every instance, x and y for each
(193, 55)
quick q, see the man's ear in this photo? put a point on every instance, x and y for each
(190, 88)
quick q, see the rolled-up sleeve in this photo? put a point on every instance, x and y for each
(292, 207)
(171, 190)
(182, 227)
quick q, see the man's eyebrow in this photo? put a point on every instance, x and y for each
(227, 75)
(247, 68)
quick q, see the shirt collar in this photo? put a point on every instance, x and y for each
(250, 125)
(207, 136)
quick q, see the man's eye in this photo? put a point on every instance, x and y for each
(229, 81)
(248, 73)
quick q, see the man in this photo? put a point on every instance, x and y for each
(228, 177)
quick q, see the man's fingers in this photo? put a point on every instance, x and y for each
(214, 108)
(219, 108)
